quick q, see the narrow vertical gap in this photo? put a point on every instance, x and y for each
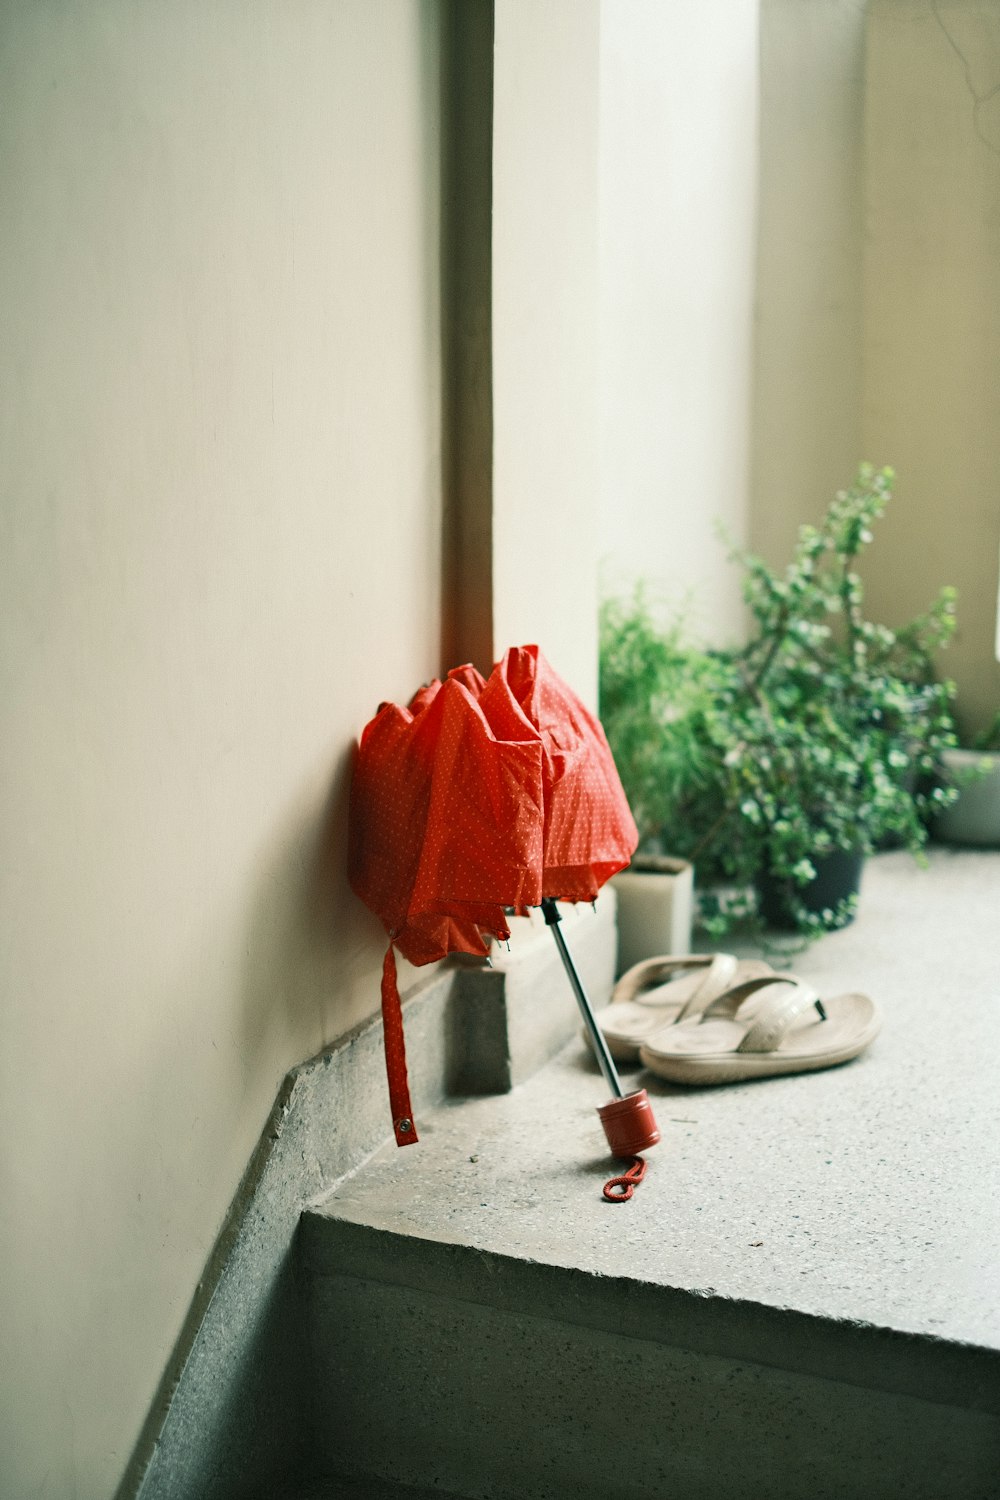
(466, 342)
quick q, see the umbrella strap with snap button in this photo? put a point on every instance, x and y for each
(395, 1054)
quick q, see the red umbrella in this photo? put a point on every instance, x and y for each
(482, 795)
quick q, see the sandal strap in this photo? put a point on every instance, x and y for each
(728, 1004)
(718, 967)
(776, 1015)
(716, 981)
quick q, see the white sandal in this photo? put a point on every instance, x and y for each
(662, 991)
(788, 1030)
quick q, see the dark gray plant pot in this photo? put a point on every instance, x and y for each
(975, 817)
(838, 875)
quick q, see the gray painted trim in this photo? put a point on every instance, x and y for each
(219, 1410)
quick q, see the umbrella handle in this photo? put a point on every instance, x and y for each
(550, 912)
(628, 1120)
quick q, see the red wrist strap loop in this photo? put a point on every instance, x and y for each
(620, 1189)
(395, 1055)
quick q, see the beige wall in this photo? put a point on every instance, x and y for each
(221, 515)
(679, 96)
(878, 322)
(219, 547)
(932, 319)
(807, 364)
(545, 477)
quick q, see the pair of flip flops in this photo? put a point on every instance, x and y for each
(710, 1018)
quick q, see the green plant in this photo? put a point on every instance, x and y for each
(819, 735)
(656, 693)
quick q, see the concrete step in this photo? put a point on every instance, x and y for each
(366, 1488)
(499, 1373)
(800, 1301)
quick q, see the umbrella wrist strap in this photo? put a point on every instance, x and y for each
(620, 1189)
(395, 1054)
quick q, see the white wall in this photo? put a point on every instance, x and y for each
(219, 548)
(807, 373)
(545, 386)
(932, 320)
(678, 151)
(878, 326)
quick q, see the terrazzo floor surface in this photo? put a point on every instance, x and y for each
(867, 1192)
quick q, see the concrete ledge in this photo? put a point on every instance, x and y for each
(515, 1016)
(226, 1420)
(519, 1404)
(862, 1354)
(813, 1261)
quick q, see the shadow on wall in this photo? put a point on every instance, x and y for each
(313, 952)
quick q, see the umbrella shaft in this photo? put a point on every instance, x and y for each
(604, 1057)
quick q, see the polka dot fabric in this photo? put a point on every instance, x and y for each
(479, 795)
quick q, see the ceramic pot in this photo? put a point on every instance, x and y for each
(975, 817)
(655, 904)
(838, 875)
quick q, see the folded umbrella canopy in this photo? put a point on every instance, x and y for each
(480, 795)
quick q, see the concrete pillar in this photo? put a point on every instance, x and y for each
(520, 293)
(467, 332)
(545, 454)
(678, 164)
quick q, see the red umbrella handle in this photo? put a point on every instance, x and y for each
(550, 911)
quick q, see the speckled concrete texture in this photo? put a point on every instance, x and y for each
(421, 1386)
(830, 1240)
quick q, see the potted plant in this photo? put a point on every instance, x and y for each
(974, 774)
(790, 759)
(656, 691)
(653, 688)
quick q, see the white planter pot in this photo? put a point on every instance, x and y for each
(975, 817)
(655, 907)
